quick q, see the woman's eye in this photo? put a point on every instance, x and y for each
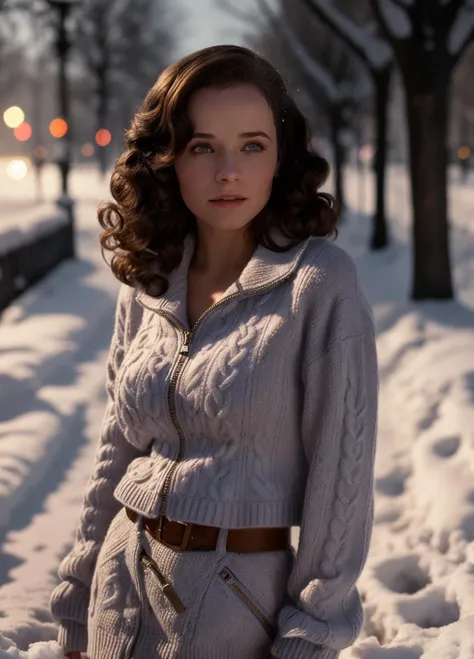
(205, 148)
(200, 146)
(259, 146)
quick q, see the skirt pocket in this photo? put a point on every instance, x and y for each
(238, 611)
(172, 583)
(247, 600)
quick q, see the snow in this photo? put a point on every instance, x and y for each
(23, 217)
(40, 650)
(418, 583)
(25, 224)
(396, 18)
(376, 50)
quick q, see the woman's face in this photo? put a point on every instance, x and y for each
(233, 151)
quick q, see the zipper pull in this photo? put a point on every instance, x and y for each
(185, 347)
(173, 598)
(168, 590)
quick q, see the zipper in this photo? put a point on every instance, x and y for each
(183, 355)
(236, 586)
(168, 590)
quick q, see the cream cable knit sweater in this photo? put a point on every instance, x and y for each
(263, 415)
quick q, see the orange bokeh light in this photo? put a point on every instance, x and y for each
(23, 132)
(464, 152)
(58, 128)
(103, 137)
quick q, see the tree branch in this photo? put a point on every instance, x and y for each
(371, 49)
(374, 5)
(463, 42)
(318, 73)
(402, 5)
(450, 11)
(244, 16)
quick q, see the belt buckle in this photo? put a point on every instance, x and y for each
(184, 541)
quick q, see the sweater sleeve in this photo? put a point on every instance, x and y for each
(69, 601)
(324, 612)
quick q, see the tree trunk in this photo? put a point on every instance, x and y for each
(339, 156)
(428, 111)
(380, 234)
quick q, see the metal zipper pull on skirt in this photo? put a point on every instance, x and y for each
(168, 590)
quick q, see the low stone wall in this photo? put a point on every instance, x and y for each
(27, 263)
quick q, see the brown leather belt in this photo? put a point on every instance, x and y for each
(182, 536)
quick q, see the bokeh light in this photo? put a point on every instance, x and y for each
(87, 150)
(103, 137)
(58, 128)
(17, 169)
(464, 152)
(14, 116)
(23, 132)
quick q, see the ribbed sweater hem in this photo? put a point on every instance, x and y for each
(297, 648)
(208, 653)
(103, 645)
(204, 511)
(72, 636)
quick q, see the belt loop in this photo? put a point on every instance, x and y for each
(221, 545)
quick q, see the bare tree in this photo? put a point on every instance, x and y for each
(13, 61)
(124, 45)
(329, 76)
(428, 38)
(376, 55)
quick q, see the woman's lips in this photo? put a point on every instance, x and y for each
(227, 203)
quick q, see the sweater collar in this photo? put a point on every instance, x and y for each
(265, 268)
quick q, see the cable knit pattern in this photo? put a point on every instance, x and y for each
(271, 422)
(347, 488)
(218, 403)
(260, 476)
(135, 382)
(336, 552)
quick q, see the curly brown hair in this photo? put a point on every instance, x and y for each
(146, 225)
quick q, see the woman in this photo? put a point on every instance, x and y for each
(242, 383)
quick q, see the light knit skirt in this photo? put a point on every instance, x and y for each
(230, 601)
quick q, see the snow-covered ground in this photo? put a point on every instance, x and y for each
(418, 584)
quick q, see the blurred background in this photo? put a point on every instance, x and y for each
(387, 86)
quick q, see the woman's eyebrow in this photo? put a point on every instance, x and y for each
(257, 133)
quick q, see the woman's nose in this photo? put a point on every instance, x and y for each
(228, 170)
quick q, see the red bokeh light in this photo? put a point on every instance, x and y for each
(23, 132)
(103, 137)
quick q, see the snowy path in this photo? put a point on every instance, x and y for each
(419, 576)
